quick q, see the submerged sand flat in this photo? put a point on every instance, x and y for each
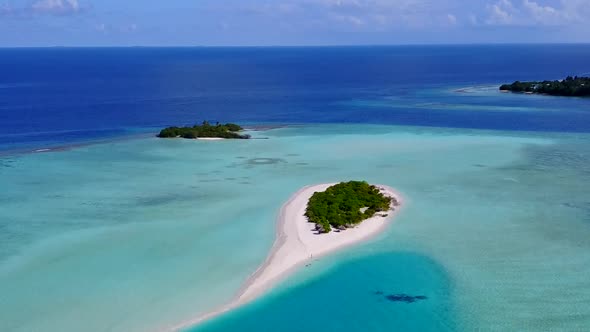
(297, 243)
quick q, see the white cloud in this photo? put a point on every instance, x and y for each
(5, 9)
(55, 6)
(365, 14)
(501, 13)
(116, 28)
(452, 19)
(545, 14)
(578, 9)
(532, 12)
(101, 27)
(400, 15)
(42, 7)
(422, 14)
(349, 19)
(129, 28)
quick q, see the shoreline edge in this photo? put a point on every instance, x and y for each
(295, 244)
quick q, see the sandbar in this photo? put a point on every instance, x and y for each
(297, 243)
(210, 138)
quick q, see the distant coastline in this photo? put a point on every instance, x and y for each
(568, 87)
(298, 243)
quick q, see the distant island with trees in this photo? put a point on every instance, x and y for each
(205, 130)
(346, 204)
(569, 87)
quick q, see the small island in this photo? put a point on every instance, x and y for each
(299, 244)
(345, 205)
(569, 87)
(205, 130)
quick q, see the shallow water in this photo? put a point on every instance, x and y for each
(139, 234)
(146, 233)
(390, 290)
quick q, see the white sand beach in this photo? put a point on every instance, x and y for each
(297, 243)
(210, 138)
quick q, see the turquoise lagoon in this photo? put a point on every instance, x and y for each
(142, 234)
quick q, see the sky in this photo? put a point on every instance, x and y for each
(26, 23)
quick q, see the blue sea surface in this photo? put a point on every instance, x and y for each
(62, 95)
(104, 227)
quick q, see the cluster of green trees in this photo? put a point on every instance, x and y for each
(571, 86)
(228, 130)
(345, 204)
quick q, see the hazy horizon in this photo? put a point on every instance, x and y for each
(109, 23)
(302, 45)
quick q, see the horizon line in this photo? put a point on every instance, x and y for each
(302, 45)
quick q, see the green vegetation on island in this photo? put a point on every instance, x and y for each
(204, 130)
(569, 87)
(345, 205)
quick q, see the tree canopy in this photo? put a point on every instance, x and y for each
(228, 130)
(345, 204)
(570, 86)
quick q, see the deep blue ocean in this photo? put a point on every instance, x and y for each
(61, 96)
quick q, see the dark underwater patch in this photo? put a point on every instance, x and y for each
(405, 298)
